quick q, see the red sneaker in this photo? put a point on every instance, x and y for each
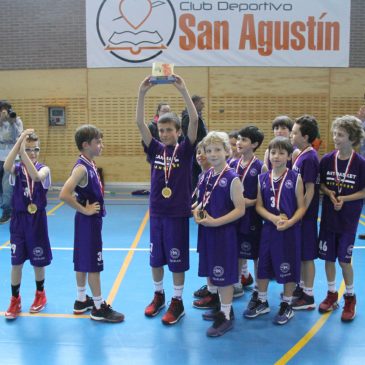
(14, 308)
(330, 303)
(174, 313)
(246, 281)
(39, 303)
(156, 305)
(349, 310)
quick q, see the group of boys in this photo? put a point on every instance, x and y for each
(28, 226)
(278, 230)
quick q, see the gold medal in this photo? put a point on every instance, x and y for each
(32, 208)
(283, 216)
(166, 192)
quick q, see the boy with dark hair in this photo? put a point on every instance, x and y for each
(234, 156)
(281, 126)
(170, 199)
(280, 202)
(28, 225)
(249, 167)
(304, 132)
(90, 210)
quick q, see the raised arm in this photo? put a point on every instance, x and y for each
(143, 128)
(35, 175)
(9, 162)
(193, 115)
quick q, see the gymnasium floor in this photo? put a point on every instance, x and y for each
(57, 337)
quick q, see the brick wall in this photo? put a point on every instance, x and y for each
(42, 34)
(357, 37)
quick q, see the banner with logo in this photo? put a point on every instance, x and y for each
(135, 33)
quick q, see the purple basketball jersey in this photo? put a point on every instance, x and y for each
(345, 220)
(179, 204)
(87, 235)
(29, 232)
(280, 252)
(218, 245)
(307, 165)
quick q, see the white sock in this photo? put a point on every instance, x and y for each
(245, 271)
(331, 286)
(178, 290)
(350, 290)
(308, 291)
(262, 296)
(213, 289)
(81, 293)
(287, 299)
(237, 285)
(158, 286)
(98, 301)
(226, 309)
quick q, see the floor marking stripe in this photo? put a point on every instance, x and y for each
(310, 334)
(127, 260)
(120, 249)
(50, 315)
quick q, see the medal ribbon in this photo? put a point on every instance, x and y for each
(200, 181)
(30, 183)
(93, 166)
(309, 148)
(245, 169)
(337, 178)
(168, 167)
(207, 194)
(277, 194)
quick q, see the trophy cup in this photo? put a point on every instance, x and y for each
(162, 73)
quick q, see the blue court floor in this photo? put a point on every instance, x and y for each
(57, 337)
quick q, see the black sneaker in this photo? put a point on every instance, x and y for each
(285, 314)
(82, 307)
(220, 326)
(5, 218)
(254, 298)
(212, 314)
(202, 292)
(259, 308)
(298, 292)
(106, 314)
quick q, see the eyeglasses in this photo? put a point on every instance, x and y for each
(35, 149)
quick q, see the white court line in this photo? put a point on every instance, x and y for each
(104, 249)
(133, 249)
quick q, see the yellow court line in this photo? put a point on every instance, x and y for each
(127, 261)
(309, 335)
(362, 216)
(48, 213)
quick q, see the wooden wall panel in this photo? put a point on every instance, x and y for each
(235, 97)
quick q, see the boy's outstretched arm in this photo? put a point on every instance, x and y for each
(193, 115)
(78, 175)
(9, 162)
(144, 130)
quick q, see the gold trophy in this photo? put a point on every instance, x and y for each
(162, 73)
